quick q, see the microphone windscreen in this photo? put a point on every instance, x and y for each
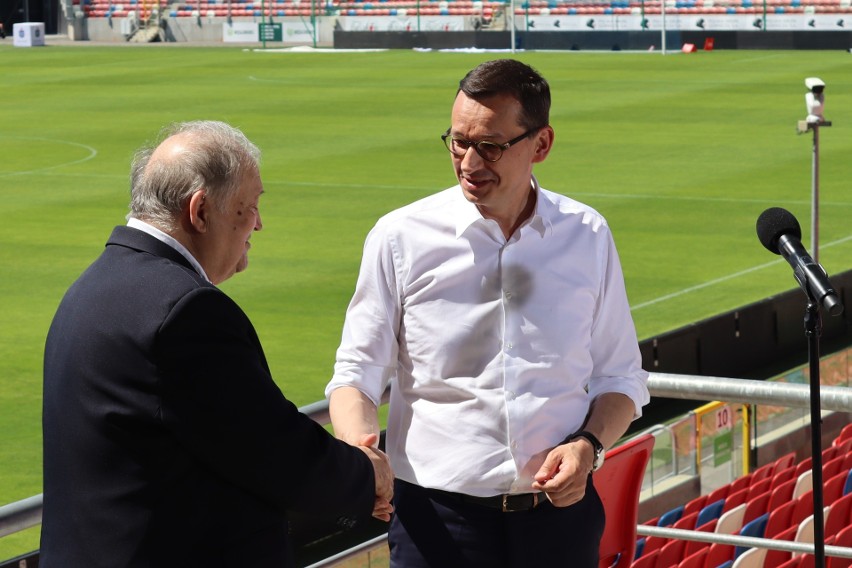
(773, 223)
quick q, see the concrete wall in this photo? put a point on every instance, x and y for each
(190, 30)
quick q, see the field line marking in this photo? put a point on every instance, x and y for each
(724, 279)
(92, 153)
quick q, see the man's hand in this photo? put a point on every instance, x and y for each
(382, 508)
(565, 471)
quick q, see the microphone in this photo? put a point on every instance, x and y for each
(779, 231)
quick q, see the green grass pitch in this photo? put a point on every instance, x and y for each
(680, 152)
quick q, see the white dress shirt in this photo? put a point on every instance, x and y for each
(495, 347)
(135, 223)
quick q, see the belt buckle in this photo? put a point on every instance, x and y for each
(507, 509)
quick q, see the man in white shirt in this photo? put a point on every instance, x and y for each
(497, 311)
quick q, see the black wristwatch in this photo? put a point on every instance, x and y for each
(596, 445)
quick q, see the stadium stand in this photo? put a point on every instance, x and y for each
(284, 8)
(773, 502)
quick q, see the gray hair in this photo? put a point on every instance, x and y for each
(217, 157)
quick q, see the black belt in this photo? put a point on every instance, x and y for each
(507, 503)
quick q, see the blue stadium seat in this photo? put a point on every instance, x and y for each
(669, 518)
(755, 529)
(710, 512)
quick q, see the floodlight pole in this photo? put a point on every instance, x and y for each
(512, 25)
(663, 39)
(802, 127)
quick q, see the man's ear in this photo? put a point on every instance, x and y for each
(543, 142)
(197, 211)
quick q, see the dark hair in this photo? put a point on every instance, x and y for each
(513, 78)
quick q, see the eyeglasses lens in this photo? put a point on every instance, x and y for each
(487, 150)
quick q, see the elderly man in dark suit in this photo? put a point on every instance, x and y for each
(166, 441)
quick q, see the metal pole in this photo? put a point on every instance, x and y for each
(263, 23)
(663, 39)
(813, 328)
(815, 195)
(512, 25)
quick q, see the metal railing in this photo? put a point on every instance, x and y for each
(27, 512)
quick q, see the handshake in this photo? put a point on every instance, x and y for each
(382, 508)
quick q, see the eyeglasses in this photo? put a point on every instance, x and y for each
(489, 151)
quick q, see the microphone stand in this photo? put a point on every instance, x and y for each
(813, 329)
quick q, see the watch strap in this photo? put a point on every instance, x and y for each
(596, 445)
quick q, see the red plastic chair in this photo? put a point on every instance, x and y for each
(780, 519)
(735, 499)
(839, 516)
(755, 507)
(782, 476)
(844, 539)
(619, 483)
(718, 554)
(740, 483)
(758, 488)
(671, 554)
(845, 434)
(785, 461)
(719, 493)
(781, 494)
(686, 522)
(646, 560)
(832, 467)
(695, 505)
(794, 562)
(695, 560)
(842, 448)
(832, 490)
(693, 546)
(778, 557)
(763, 472)
(804, 508)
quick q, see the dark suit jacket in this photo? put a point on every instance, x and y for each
(166, 441)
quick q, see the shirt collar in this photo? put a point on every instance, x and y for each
(468, 214)
(169, 240)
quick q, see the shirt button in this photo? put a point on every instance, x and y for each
(508, 295)
(509, 345)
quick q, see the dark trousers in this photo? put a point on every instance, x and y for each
(433, 529)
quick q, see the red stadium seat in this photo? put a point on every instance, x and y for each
(839, 516)
(695, 560)
(782, 476)
(756, 507)
(734, 500)
(832, 489)
(671, 554)
(719, 554)
(780, 519)
(844, 539)
(646, 560)
(695, 505)
(781, 494)
(779, 557)
(693, 546)
(619, 483)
